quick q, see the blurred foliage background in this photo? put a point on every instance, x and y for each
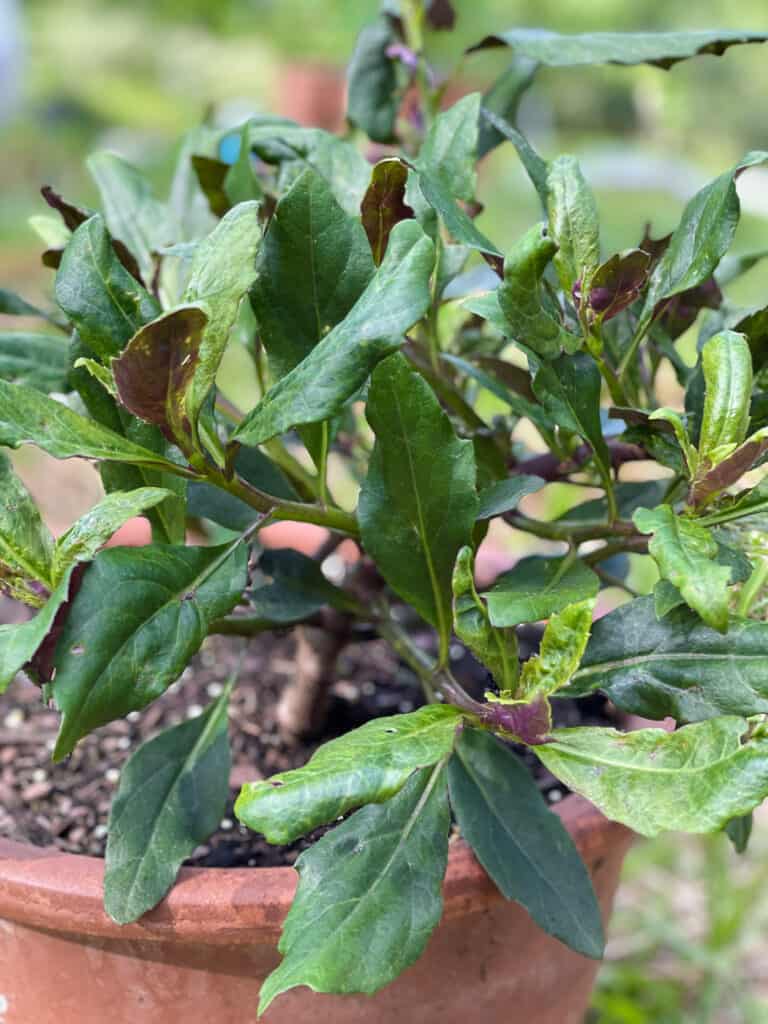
(688, 939)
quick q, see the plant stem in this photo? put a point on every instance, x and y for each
(752, 588)
(633, 545)
(569, 533)
(416, 659)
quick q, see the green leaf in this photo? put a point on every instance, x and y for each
(569, 389)
(535, 166)
(573, 223)
(26, 545)
(314, 264)
(12, 304)
(700, 240)
(108, 665)
(685, 553)
(675, 666)
(418, 504)
(296, 588)
(662, 49)
(739, 831)
(223, 269)
(530, 316)
(506, 495)
(384, 204)
(373, 97)
(537, 588)
(103, 301)
(503, 99)
(629, 497)
(495, 648)
(373, 884)
(84, 538)
(562, 646)
(368, 765)
(132, 213)
(27, 417)
(240, 182)
(522, 845)
(172, 795)
(727, 366)
(692, 780)
(156, 369)
(395, 299)
(519, 404)
(449, 150)
(19, 644)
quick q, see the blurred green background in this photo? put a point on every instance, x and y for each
(688, 939)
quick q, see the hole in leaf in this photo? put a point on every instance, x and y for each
(390, 731)
(77, 649)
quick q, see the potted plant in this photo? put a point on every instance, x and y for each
(379, 317)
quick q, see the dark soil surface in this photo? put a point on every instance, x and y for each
(67, 805)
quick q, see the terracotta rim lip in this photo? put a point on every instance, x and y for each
(47, 889)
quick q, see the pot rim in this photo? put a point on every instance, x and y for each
(45, 888)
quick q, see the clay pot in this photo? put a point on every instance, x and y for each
(200, 957)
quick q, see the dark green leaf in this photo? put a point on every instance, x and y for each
(535, 166)
(107, 664)
(573, 223)
(373, 97)
(537, 588)
(212, 175)
(505, 495)
(104, 302)
(368, 765)
(739, 830)
(314, 265)
(373, 884)
(675, 666)
(530, 316)
(685, 553)
(692, 780)
(384, 204)
(296, 588)
(418, 505)
(503, 99)
(12, 304)
(522, 845)
(172, 795)
(660, 48)
(519, 404)
(629, 497)
(396, 298)
(27, 417)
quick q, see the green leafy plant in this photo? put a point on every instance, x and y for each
(352, 285)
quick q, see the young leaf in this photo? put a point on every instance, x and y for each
(505, 495)
(27, 417)
(573, 223)
(537, 588)
(700, 240)
(615, 284)
(26, 546)
(132, 213)
(739, 831)
(103, 301)
(108, 665)
(84, 538)
(662, 49)
(529, 315)
(418, 504)
(171, 797)
(373, 97)
(495, 648)
(685, 553)
(675, 666)
(522, 845)
(692, 780)
(372, 883)
(368, 765)
(20, 643)
(395, 299)
(313, 266)
(727, 366)
(384, 204)
(155, 371)
(223, 269)
(35, 360)
(562, 646)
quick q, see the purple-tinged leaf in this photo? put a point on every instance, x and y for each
(615, 284)
(384, 204)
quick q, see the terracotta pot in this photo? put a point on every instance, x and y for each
(201, 956)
